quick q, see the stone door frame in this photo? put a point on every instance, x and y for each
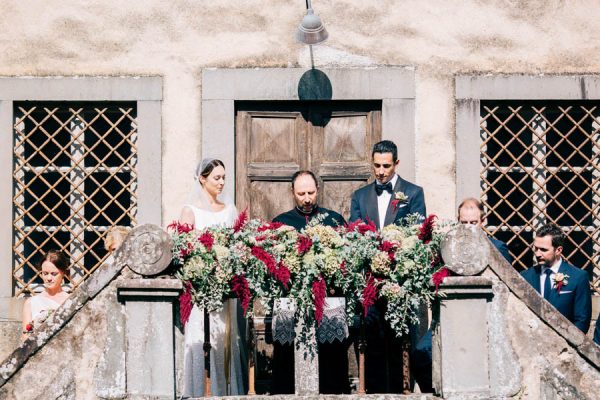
(221, 88)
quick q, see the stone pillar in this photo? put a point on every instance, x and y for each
(306, 364)
(460, 343)
(150, 356)
(460, 337)
(149, 314)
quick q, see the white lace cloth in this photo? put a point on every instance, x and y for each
(193, 370)
(333, 325)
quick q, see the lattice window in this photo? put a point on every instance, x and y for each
(74, 177)
(541, 164)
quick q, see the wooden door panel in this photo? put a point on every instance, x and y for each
(336, 195)
(342, 149)
(269, 150)
(345, 138)
(273, 138)
(270, 198)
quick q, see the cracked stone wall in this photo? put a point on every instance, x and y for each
(551, 368)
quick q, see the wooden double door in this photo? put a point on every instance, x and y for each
(275, 139)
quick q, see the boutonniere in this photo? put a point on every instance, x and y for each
(399, 197)
(560, 280)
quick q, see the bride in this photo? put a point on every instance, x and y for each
(227, 358)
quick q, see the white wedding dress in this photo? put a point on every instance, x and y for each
(41, 306)
(193, 369)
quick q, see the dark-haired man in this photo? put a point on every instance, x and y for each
(390, 198)
(333, 357)
(566, 287)
(305, 189)
(385, 201)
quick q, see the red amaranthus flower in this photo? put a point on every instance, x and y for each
(389, 248)
(438, 277)
(187, 250)
(266, 258)
(241, 221)
(304, 244)
(185, 303)
(282, 274)
(369, 294)
(343, 267)
(426, 229)
(362, 227)
(180, 228)
(319, 291)
(207, 240)
(269, 226)
(239, 286)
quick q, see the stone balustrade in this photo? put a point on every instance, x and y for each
(118, 335)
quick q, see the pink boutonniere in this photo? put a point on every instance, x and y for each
(560, 280)
(399, 197)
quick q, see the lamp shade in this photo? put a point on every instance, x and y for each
(311, 29)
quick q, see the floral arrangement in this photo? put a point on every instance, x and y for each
(258, 260)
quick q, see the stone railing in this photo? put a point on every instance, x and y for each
(96, 345)
(496, 337)
(118, 335)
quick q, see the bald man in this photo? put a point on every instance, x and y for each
(471, 212)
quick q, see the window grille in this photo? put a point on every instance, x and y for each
(541, 164)
(74, 177)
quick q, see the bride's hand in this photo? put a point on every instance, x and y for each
(187, 216)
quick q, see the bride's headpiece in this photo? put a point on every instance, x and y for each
(198, 196)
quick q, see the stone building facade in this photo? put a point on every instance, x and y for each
(188, 68)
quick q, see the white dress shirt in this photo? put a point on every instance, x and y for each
(383, 201)
(543, 275)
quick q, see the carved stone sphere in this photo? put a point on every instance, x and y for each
(147, 250)
(466, 250)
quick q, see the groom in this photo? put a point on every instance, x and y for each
(390, 198)
(385, 201)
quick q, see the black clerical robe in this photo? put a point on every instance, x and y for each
(299, 220)
(333, 357)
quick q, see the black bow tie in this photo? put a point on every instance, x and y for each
(380, 188)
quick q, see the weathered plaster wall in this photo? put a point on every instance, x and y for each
(176, 39)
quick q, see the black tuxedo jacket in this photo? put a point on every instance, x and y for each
(574, 300)
(364, 203)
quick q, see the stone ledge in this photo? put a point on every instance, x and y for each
(460, 281)
(56, 322)
(150, 284)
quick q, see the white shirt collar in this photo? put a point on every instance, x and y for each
(554, 266)
(392, 181)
